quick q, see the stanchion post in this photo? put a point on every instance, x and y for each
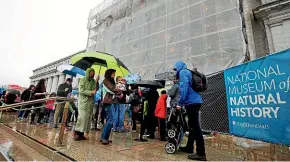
(63, 122)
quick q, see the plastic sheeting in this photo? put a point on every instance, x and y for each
(149, 36)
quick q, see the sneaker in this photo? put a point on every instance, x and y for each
(55, 126)
(121, 130)
(110, 141)
(146, 134)
(186, 150)
(197, 157)
(99, 125)
(105, 142)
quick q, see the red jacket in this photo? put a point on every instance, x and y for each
(160, 110)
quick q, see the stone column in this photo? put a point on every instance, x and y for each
(61, 79)
(49, 84)
(269, 38)
(54, 84)
(75, 82)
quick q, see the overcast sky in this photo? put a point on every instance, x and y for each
(36, 32)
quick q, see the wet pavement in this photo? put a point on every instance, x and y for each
(124, 148)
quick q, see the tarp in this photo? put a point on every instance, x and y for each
(258, 97)
(150, 36)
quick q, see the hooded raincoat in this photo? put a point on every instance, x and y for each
(187, 94)
(86, 102)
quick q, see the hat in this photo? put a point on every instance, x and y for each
(69, 80)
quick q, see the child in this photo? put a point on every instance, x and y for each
(49, 105)
(160, 113)
(121, 85)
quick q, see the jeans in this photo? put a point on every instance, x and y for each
(162, 128)
(58, 112)
(23, 114)
(119, 117)
(195, 132)
(110, 111)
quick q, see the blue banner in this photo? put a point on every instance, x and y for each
(258, 98)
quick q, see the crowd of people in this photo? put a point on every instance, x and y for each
(106, 103)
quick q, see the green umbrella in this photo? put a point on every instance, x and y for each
(100, 62)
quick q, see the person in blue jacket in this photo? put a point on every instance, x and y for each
(192, 102)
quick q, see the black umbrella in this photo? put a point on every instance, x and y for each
(150, 84)
(13, 91)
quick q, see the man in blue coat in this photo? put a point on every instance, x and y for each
(192, 102)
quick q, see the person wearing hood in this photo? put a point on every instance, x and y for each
(110, 103)
(192, 102)
(160, 113)
(88, 87)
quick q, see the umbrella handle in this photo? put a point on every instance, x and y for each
(99, 70)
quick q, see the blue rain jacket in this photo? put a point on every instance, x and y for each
(187, 94)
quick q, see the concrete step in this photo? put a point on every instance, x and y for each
(16, 149)
(25, 148)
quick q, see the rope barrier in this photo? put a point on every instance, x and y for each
(36, 107)
(11, 106)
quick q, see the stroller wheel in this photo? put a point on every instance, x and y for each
(171, 133)
(170, 148)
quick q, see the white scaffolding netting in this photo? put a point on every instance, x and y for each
(149, 36)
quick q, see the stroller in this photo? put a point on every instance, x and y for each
(176, 128)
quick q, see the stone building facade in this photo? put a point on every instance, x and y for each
(274, 17)
(52, 76)
(265, 29)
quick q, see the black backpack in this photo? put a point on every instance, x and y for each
(199, 81)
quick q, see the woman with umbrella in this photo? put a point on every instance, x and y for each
(109, 103)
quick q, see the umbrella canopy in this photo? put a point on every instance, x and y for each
(15, 87)
(150, 84)
(71, 70)
(132, 78)
(100, 62)
(13, 91)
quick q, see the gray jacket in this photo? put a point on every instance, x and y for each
(174, 94)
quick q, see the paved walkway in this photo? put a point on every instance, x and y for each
(218, 148)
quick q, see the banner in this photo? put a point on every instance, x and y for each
(258, 98)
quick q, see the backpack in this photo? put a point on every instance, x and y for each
(199, 81)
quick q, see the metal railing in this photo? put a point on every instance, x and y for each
(62, 101)
(268, 1)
